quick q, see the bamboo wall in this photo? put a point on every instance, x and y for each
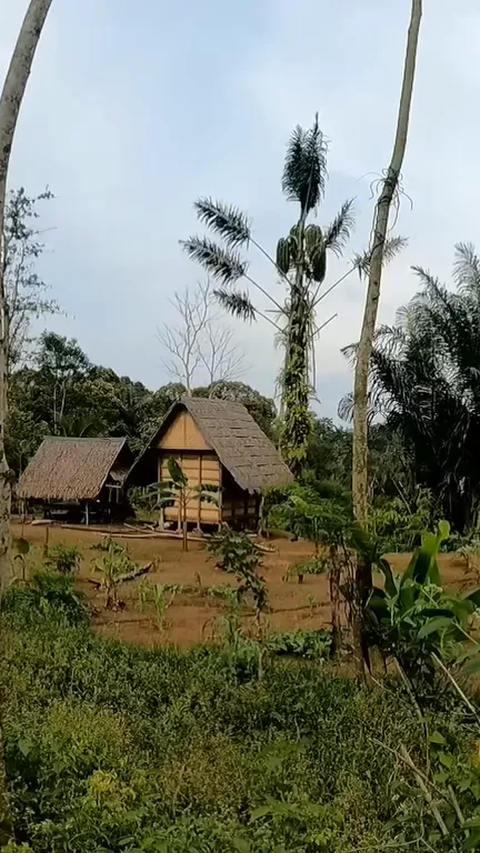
(184, 441)
(199, 468)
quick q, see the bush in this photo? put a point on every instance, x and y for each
(113, 748)
(64, 559)
(301, 643)
(47, 595)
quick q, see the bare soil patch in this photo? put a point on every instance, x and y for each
(194, 618)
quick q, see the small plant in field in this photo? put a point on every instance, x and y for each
(239, 555)
(109, 545)
(64, 559)
(50, 595)
(313, 604)
(228, 594)
(162, 598)
(116, 567)
(471, 554)
(144, 593)
(160, 595)
(312, 566)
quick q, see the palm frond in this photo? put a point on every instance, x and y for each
(236, 303)
(391, 248)
(224, 265)
(338, 232)
(305, 168)
(427, 280)
(228, 221)
(345, 408)
(466, 268)
(350, 353)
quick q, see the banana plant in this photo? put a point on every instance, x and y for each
(177, 492)
(412, 619)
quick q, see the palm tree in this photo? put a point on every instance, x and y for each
(300, 264)
(425, 383)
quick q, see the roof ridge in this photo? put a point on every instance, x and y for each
(85, 438)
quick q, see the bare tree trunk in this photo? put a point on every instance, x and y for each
(382, 212)
(364, 351)
(10, 102)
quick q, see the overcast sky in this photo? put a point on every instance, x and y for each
(134, 109)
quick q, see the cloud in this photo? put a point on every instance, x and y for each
(134, 110)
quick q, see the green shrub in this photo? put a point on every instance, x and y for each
(64, 559)
(47, 595)
(301, 643)
(239, 555)
(112, 748)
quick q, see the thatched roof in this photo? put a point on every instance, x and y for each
(241, 446)
(71, 469)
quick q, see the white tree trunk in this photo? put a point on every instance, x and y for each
(381, 217)
(10, 102)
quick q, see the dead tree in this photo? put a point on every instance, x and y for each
(199, 347)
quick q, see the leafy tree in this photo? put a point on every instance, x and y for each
(62, 366)
(63, 393)
(25, 289)
(301, 260)
(329, 454)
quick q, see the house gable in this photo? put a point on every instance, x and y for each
(183, 434)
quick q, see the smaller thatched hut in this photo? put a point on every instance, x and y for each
(216, 442)
(78, 476)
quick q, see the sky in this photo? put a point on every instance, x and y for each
(135, 109)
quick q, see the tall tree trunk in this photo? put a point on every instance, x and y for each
(10, 102)
(335, 597)
(364, 351)
(296, 386)
(382, 212)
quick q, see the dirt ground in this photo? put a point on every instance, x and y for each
(196, 617)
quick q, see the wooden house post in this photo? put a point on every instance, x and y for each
(220, 491)
(199, 521)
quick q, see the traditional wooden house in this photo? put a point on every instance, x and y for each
(80, 476)
(216, 442)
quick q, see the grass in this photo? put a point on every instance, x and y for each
(110, 748)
